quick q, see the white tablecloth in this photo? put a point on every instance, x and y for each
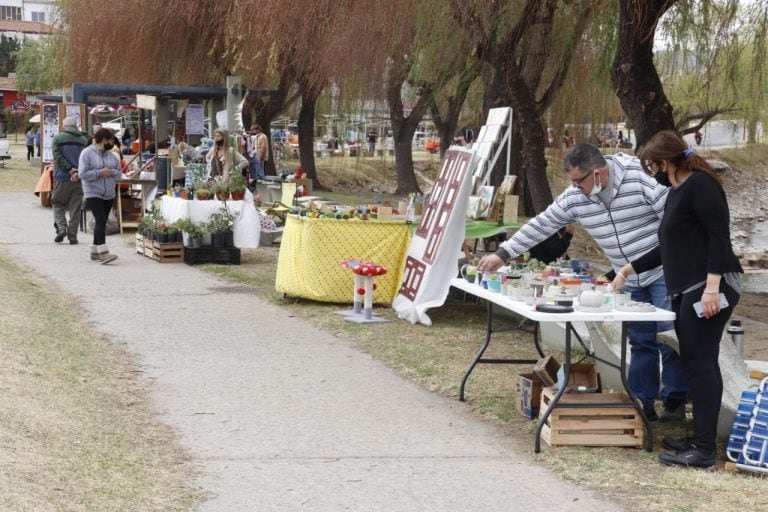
(247, 226)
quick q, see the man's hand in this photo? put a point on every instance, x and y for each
(74, 175)
(106, 172)
(489, 263)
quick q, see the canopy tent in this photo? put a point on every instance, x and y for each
(35, 118)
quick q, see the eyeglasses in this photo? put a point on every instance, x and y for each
(577, 182)
(651, 167)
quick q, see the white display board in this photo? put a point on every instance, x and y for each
(491, 141)
(432, 255)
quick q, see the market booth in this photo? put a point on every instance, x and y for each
(246, 228)
(312, 249)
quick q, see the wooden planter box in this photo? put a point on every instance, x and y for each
(591, 425)
(168, 253)
(164, 253)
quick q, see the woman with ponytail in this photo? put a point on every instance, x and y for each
(699, 266)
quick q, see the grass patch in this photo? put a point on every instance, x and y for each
(77, 432)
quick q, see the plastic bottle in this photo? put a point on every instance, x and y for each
(608, 295)
(737, 335)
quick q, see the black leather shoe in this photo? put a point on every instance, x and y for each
(650, 413)
(677, 444)
(59, 237)
(693, 457)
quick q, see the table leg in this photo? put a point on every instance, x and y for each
(556, 398)
(635, 403)
(479, 355)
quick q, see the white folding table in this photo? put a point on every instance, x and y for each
(528, 311)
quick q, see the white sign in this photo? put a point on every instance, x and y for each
(195, 119)
(146, 102)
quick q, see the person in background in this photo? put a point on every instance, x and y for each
(67, 196)
(37, 140)
(258, 153)
(621, 207)
(371, 142)
(30, 141)
(553, 247)
(223, 158)
(99, 170)
(699, 266)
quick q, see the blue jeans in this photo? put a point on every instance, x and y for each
(257, 169)
(645, 378)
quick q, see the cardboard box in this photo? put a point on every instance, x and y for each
(306, 183)
(511, 203)
(583, 377)
(528, 390)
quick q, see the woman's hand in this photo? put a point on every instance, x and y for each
(710, 303)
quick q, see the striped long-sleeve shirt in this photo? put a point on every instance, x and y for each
(625, 230)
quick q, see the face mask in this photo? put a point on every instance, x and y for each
(220, 142)
(663, 179)
(597, 187)
(108, 146)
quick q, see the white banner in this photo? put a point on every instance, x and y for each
(433, 254)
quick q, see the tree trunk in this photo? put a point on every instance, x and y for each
(306, 125)
(534, 163)
(403, 127)
(633, 72)
(446, 124)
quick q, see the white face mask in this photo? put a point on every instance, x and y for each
(597, 187)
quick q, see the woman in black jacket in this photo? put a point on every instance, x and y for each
(699, 266)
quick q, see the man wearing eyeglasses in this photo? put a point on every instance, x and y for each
(621, 207)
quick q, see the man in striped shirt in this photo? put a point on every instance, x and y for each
(620, 206)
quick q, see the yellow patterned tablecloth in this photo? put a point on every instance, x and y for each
(312, 250)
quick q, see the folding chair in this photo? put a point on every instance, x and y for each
(280, 208)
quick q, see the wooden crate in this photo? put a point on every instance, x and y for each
(140, 243)
(168, 253)
(591, 425)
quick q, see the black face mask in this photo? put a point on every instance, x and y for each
(663, 179)
(108, 146)
(220, 142)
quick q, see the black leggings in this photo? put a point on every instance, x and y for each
(699, 350)
(30, 152)
(100, 209)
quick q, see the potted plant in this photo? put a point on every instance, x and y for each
(237, 186)
(220, 188)
(174, 233)
(195, 232)
(220, 225)
(162, 231)
(202, 193)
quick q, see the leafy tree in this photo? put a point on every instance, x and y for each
(704, 63)
(527, 48)
(37, 68)
(8, 48)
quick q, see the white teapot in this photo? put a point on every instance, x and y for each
(591, 298)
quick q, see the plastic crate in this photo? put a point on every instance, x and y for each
(208, 254)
